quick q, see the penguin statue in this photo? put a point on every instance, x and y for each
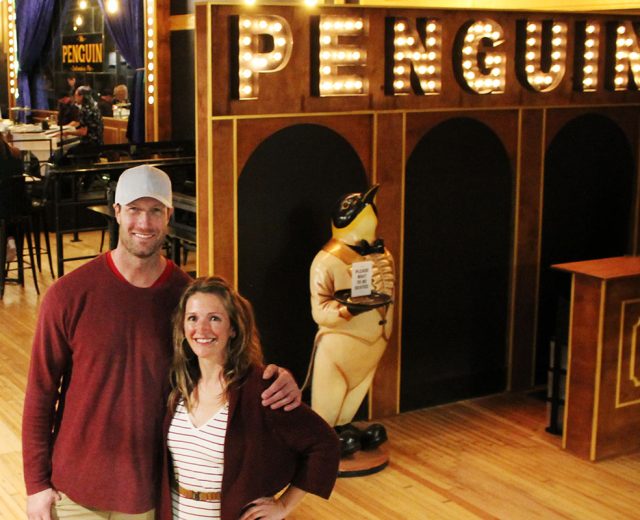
(351, 336)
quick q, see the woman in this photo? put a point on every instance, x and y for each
(229, 454)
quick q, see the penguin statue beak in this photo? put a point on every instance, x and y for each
(368, 197)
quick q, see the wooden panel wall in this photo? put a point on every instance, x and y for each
(383, 131)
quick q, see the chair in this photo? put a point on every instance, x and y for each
(15, 217)
(40, 203)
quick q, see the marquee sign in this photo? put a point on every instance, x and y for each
(83, 52)
(375, 58)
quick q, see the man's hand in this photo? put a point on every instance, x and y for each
(39, 504)
(284, 391)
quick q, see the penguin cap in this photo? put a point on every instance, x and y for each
(350, 206)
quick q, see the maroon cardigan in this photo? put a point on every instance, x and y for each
(265, 450)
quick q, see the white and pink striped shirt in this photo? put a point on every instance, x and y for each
(198, 461)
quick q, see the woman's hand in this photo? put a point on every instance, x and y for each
(284, 391)
(267, 508)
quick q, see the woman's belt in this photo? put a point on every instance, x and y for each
(202, 496)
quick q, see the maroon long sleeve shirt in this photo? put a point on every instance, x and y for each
(97, 385)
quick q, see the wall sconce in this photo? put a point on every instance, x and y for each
(112, 6)
(542, 54)
(337, 67)
(417, 57)
(478, 67)
(626, 57)
(264, 46)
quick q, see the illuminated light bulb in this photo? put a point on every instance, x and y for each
(359, 24)
(431, 69)
(531, 42)
(530, 55)
(530, 69)
(618, 81)
(621, 29)
(431, 56)
(247, 89)
(589, 55)
(326, 70)
(431, 27)
(150, 77)
(469, 38)
(422, 69)
(246, 40)
(79, 21)
(150, 66)
(591, 29)
(467, 50)
(557, 29)
(150, 44)
(326, 39)
(488, 28)
(431, 41)
(587, 82)
(531, 27)
(262, 24)
(82, 4)
(150, 89)
(150, 33)
(113, 7)
(310, 3)
(555, 68)
(556, 42)
(619, 67)
(150, 55)
(358, 84)
(398, 84)
(151, 100)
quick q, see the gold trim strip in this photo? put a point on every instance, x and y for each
(598, 374)
(632, 356)
(569, 355)
(418, 111)
(400, 267)
(182, 22)
(374, 150)
(543, 148)
(514, 259)
(236, 176)
(210, 161)
(634, 240)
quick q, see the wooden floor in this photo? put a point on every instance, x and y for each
(484, 458)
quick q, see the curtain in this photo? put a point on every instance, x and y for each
(126, 27)
(33, 24)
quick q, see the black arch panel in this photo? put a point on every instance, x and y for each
(285, 196)
(457, 250)
(588, 193)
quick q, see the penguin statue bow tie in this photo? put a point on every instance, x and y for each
(364, 248)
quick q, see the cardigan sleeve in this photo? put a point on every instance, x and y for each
(316, 445)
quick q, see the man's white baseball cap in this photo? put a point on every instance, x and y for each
(144, 181)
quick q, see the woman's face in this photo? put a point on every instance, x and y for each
(207, 326)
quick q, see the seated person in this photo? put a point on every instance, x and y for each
(120, 95)
(89, 126)
(67, 110)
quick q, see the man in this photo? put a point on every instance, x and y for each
(99, 370)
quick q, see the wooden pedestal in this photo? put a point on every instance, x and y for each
(364, 463)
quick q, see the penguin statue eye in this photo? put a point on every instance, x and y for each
(345, 204)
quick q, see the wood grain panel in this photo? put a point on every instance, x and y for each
(583, 368)
(528, 200)
(390, 202)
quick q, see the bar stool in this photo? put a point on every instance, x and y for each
(15, 214)
(40, 201)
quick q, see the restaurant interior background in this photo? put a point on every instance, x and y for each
(172, 116)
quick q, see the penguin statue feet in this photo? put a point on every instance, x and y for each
(349, 437)
(353, 439)
(373, 436)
